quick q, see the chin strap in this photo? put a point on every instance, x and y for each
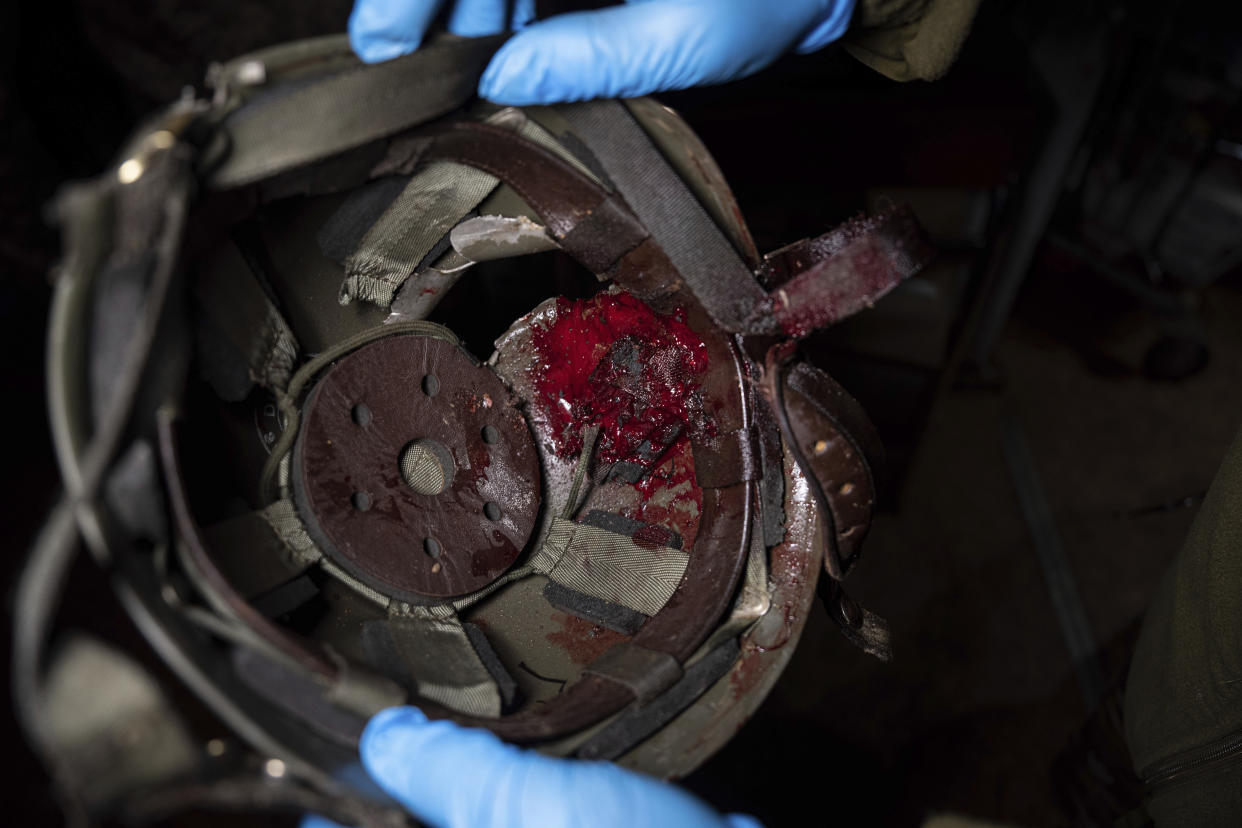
(332, 102)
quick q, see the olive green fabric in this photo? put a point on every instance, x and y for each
(286, 125)
(243, 338)
(433, 642)
(1211, 799)
(611, 566)
(910, 39)
(1185, 686)
(602, 564)
(437, 197)
(282, 517)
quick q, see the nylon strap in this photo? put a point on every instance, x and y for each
(837, 274)
(433, 641)
(700, 252)
(639, 721)
(308, 119)
(711, 662)
(647, 673)
(604, 613)
(557, 190)
(658, 229)
(244, 338)
(821, 281)
(436, 198)
(255, 555)
(611, 566)
(298, 693)
(772, 480)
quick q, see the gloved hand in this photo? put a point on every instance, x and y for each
(621, 51)
(452, 777)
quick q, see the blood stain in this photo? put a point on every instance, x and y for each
(612, 361)
(583, 640)
(670, 495)
(747, 673)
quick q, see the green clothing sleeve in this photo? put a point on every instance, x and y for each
(910, 39)
(1183, 704)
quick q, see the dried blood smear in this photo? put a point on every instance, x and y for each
(670, 496)
(582, 639)
(611, 361)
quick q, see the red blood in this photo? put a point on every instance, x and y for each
(829, 291)
(681, 511)
(494, 558)
(747, 672)
(652, 537)
(611, 361)
(474, 474)
(583, 640)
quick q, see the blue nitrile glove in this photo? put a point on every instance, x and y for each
(621, 51)
(454, 777)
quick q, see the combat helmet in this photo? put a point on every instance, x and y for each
(367, 392)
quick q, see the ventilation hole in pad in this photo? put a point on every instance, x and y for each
(426, 467)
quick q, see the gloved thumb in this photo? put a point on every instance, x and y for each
(658, 45)
(454, 777)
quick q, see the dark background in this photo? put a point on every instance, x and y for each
(981, 697)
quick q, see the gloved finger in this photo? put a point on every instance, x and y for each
(354, 777)
(385, 29)
(831, 27)
(658, 45)
(523, 14)
(478, 18)
(482, 18)
(316, 821)
(454, 777)
(834, 18)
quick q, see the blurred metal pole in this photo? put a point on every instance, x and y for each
(1062, 588)
(1072, 65)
